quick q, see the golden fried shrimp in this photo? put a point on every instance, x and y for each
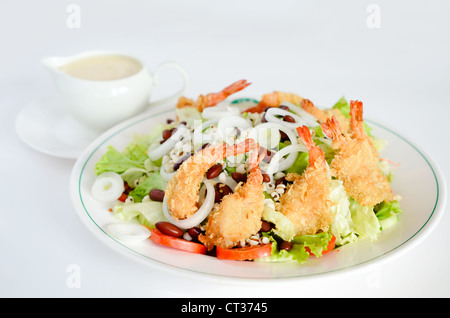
(212, 99)
(307, 201)
(323, 115)
(356, 160)
(182, 191)
(239, 214)
(274, 100)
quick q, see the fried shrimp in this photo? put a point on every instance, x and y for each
(182, 190)
(238, 215)
(307, 201)
(323, 115)
(274, 100)
(212, 99)
(356, 160)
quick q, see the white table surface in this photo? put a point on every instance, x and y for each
(319, 49)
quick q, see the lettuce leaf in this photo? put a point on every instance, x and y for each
(388, 213)
(300, 164)
(342, 225)
(146, 213)
(297, 254)
(284, 228)
(365, 222)
(115, 161)
(153, 181)
(316, 243)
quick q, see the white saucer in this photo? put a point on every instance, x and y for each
(44, 126)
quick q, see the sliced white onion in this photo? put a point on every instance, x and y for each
(128, 232)
(200, 215)
(228, 123)
(271, 114)
(108, 187)
(229, 181)
(276, 166)
(219, 111)
(288, 131)
(161, 150)
(198, 136)
(310, 119)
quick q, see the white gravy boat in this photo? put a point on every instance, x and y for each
(99, 104)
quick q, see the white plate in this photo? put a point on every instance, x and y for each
(417, 179)
(44, 126)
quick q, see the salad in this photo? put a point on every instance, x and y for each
(270, 180)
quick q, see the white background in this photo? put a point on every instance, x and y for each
(318, 49)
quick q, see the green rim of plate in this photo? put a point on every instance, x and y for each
(250, 278)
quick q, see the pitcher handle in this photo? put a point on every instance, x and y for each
(175, 96)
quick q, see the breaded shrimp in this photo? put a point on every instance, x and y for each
(356, 161)
(307, 201)
(239, 214)
(182, 191)
(212, 99)
(323, 115)
(274, 100)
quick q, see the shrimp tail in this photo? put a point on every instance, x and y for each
(356, 113)
(215, 98)
(332, 129)
(315, 153)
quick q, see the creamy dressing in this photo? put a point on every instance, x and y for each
(103, 67)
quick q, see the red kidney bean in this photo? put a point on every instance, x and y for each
(280, 181)
(166, 134)
(169, 121)
(169, 229)
(283, 136)
(285, 245)
(214, 171)
(239, 177)
(265, 226)
(289, 119)
(266, 177)
(218, 196)
(284, 107)
(223, 189)
(194, 233)
(156, 195)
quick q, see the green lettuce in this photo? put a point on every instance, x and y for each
(388, 213)
(365, 222)
(146, 213)
(300, 164)
(153, 181)
(115, 161)
(284, 228)
(316, 243)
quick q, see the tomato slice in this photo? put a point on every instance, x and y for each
(330, 247)
(244, 253)
(177, 243)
